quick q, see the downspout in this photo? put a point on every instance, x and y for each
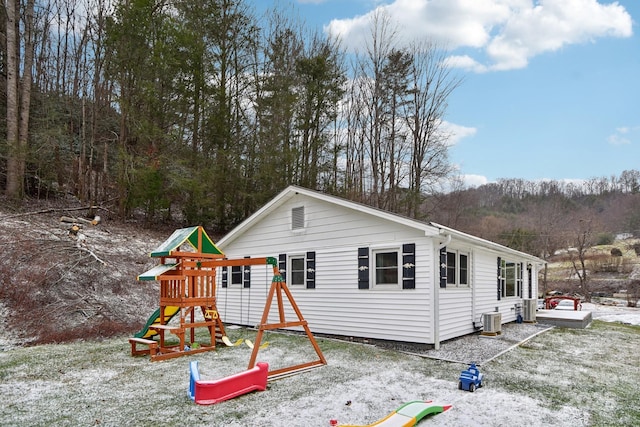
(472, 260)
(436, 294)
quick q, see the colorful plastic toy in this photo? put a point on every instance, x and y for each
(208, 392)
(470, 378)
(407, 415)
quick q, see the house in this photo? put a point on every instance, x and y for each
(362, 272)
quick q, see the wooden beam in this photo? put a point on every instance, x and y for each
(279, 289)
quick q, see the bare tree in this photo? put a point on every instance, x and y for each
(433, 82)
(14, 187)
(354, 143)
(396, 107)
(370, 72)
(18, 93)
(583, 240)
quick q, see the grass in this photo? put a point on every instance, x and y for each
(562, 377)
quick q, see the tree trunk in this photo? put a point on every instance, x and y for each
(18, 106)
(14, 186)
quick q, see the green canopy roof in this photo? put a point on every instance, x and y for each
(156, 271)
(187, 235)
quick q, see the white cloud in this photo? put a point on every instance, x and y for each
(623, 135)
(457, 132)
(506, 33)
(466, 62)
(473, 181)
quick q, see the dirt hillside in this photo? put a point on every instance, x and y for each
(60, 283)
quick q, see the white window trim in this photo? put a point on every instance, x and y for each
(373, 268)
(457, 284)
(290, 258)
(230, 282)
(518, 282)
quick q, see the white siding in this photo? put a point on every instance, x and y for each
(487, 290)
(336, 305)
(335, 231)
(455, 313)
(456, 304)
(461, 307)
(486, 272)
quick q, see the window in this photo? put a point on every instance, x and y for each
(297, 271)
(464, 270)
(236, 275)
(386, 267)
(511, 278)
(457, 269)
(301, 269)
(451, 268)
(297, 218)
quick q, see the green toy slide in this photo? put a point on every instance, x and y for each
(169, 312)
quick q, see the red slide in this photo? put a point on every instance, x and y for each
(214, 391)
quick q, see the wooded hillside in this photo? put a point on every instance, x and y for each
(202, 111)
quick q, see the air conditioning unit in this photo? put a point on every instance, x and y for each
(492, 324)
(529, 310)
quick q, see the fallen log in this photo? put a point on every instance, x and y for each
(73, 220)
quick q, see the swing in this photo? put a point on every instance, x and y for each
(228, 343)
(262, 346)
(246, 341)
(225, 339)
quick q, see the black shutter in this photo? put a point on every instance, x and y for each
(443, 267)
(246, 275)
(499, 278)
(311, 270)
(363, 268)
(529, 279)
(225, 277)
(282, 266)
(409, 266)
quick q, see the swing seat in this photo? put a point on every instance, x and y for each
(247, 342)
(228, 343)
(262, 346)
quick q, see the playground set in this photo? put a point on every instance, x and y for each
(187, 274)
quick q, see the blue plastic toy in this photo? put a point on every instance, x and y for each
(470, 378)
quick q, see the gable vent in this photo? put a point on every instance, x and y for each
(297, 218)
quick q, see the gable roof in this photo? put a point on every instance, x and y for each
(194, 236)
(430, 229)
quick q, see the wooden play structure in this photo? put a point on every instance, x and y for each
(189, 261)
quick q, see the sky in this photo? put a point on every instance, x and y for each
(550, 87)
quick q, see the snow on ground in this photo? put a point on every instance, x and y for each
(608, 313)
(85, 384)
